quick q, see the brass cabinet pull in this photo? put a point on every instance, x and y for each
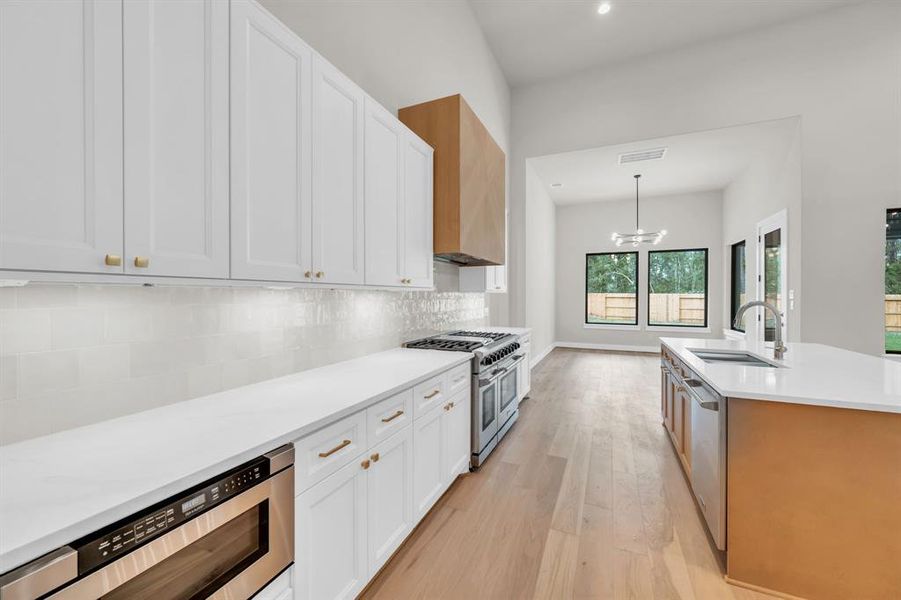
(307, 273)
(365, 464)
(319, 274)
(113, 260)
(453, 404)
(432, 395)
(392, 417)
(335, 449)
(142, 262)
(375, 457)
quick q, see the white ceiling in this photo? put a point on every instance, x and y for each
(694, 162)
(541, 39)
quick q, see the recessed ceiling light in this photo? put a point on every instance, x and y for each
(604, 8)
(556, 185)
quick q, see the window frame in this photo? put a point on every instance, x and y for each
(733, 307)
(588, 255)
(706, 324)
(888, 214)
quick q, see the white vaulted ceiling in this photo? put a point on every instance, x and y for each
(544, 39)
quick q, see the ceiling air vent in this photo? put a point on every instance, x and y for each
(640, 155)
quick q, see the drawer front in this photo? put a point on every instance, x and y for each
(323, 452)
(428, 394)
(458, 379)
(389, 416)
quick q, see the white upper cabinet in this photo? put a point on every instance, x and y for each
(337, 176)
(271, 202)
(384, 196)
(418, 167)
(398, 199)
(176, 137)
(60, 135)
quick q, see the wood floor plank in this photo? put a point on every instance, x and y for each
(556, 576)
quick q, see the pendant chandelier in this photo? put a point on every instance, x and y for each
(640, 236)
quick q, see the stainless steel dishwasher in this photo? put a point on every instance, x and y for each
(708, 456)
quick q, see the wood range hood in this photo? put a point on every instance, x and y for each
(469, 222)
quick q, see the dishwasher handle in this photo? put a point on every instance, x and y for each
(713, 405)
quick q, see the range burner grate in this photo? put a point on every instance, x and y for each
(454, 345)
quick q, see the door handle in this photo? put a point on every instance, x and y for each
(335, 449)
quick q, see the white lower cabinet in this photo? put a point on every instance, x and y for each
(330, 536)
(428, 471)
(524, 374)
(279, 588)
(390, 497)
(350, 522)
(455, 438)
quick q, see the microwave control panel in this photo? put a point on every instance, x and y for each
(132, 532)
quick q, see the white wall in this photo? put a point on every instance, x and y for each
(691, 220)
(770, 184)
(404, 52)
(838, 71)
(540, 259)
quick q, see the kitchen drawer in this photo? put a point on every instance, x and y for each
(389, 416)
(428, 394)
(458, 379)
(323, 452)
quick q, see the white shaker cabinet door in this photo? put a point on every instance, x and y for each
(271, 99)
(455, 424)
(337, 176)
(428, 462)
(417, 241)
(330, 536)
(389, 496)
(60, 135)
(384, 197)
(176, 137)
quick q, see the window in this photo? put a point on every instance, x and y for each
(611, 288)
(893, 281)
(677, 288)
(739, 282)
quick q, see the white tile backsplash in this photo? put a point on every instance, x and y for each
(76, 354)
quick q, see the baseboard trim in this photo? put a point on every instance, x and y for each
(761, 589)
(537, 359)
(613, 347)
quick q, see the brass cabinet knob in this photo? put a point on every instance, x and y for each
(307, 273)
(319, 274)
(375, 457)
(142, 262)
(113, 260)
(365, 464)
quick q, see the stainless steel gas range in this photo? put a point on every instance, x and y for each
(495, 397)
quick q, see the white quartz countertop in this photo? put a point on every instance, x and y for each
(813, 374)
(57, 488)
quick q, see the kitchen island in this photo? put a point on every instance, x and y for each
(806, 459)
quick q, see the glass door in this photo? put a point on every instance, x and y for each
(772, 273)
(508, 390)
(488, 411)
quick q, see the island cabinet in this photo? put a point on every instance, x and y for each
(814, 500)
(365, 481)
(676, 407)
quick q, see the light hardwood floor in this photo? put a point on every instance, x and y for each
(585, 498)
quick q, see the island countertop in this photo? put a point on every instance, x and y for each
(813, 374)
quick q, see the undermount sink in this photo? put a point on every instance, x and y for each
(732, 357)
